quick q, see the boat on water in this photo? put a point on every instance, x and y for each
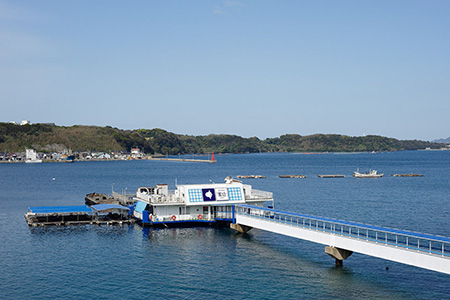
(70, 158)
(370, 174)
(195, 204)
(31, 157)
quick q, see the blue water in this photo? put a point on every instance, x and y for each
(113, 262)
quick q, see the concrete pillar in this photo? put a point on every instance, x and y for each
(240, 228)
(338, 253)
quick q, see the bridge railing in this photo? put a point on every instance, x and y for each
(388, 236)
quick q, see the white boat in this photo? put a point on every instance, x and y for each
(31, 156)
(195, 203)
(370, 174)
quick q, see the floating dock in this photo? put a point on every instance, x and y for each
(251, 176)
(99, 198)
(108, 214)
(408, 175)
(331, 176)
(292, 176)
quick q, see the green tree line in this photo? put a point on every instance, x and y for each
(16, 138)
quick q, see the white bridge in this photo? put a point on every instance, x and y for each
(342, 238)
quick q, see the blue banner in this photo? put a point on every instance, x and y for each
(209, 195)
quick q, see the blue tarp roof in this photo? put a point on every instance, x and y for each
(59, 209)
(107, 206)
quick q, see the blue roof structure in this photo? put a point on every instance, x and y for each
(60, 209)
(105, 206)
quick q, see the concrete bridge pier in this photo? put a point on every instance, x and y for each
(338, 253)
(240, 228)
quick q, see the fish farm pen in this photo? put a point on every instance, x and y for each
(108, 214)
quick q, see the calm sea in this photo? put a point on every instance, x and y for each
(113, 262)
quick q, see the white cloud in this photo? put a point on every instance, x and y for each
(219, 10)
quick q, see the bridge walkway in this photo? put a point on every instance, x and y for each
(342, 237)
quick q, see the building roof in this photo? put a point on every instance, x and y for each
(59, 209)
(106, 206)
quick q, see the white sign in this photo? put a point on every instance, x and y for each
(221, 194)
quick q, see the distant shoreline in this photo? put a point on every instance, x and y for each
(199, 160)
(110, 159)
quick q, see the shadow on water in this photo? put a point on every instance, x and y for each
(283, 266)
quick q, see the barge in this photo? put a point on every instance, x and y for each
(99, 198)
(408, 175)
(292, 176)
(195, 204)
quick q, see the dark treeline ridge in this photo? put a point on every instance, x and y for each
(41, 137)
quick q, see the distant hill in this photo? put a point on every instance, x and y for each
(445, 141)
(47, 138)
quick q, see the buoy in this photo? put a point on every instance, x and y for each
(200, 217)
(174, 218)
(54, 178)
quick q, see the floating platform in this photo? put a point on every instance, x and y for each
(98, 198)
(251, 176)
(408, 175)
(76, 215)
(292, 176)
(331, 176)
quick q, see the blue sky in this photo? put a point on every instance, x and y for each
(251, 68)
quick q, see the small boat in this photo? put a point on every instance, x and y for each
(31, 156)
(370, 174)
(70, 158)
